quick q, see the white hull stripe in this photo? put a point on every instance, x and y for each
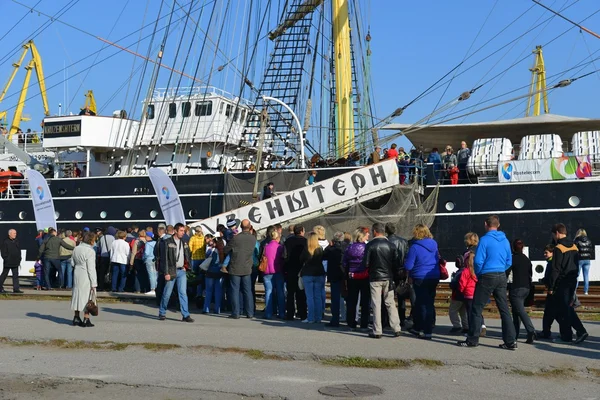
(538, 211)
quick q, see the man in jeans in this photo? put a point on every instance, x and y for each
(381, 260)
(492, 258)
(563, 280)
(177, 254)
(241, 251)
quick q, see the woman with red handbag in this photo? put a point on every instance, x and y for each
(423, 265)
(84, 281)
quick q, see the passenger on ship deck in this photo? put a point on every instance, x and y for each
(268, 191)
(392, 152)
(453, 174)
(376, 155)
(463, 158)
(435, 159)
(87, 111)
(449, 157)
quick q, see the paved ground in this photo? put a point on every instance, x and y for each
(33, 371)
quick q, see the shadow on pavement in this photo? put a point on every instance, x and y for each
(52, 318)
(129, 313)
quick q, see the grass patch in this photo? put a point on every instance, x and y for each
(557, 373)
(361, 362)
(160, 346)
(427, 362)
(81, 345)
(554, 373)
(594, 371)
(522, 372)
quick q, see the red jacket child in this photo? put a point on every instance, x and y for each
(453, 173)
(467, 281)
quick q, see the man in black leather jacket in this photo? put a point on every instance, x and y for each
(402, 246)
(381, 260)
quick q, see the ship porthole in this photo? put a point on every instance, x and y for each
(1, 214)
(56, 214)
(127, 214)
(539, 269)
(79, 214)
(103, 214)
(450, 206)
(574, 201)
(22, 215)
(192, 213)
(153, 214)
(519, 203)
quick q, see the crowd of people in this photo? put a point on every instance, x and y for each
(369, 271)
(448, 167)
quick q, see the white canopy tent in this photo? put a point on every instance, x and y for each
(514, 129)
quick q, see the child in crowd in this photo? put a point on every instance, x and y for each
(549, 313)
(468, 280)
(453, 174)
(458, 309)
(472, 241)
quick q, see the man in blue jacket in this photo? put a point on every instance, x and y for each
(492, 258)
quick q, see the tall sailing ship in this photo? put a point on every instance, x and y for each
(305, 65)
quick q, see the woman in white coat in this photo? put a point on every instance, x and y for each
(84, 282)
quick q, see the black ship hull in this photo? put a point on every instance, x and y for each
(526, 210)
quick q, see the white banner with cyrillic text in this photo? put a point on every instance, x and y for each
(43, 206)
(167, 195)
(307, 200)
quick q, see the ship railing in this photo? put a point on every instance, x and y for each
(15, 189)
(193, 91)
(28, 142)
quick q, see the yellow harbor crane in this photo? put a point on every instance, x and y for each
(90, 102)
(35, 63)
(537, 89)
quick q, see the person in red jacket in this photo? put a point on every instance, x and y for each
(453, 174)
(467, 281)
(393, 152)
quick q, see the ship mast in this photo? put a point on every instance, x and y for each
(537, 89)
(344, 103)
(344, 99)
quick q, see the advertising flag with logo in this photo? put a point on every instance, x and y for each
(43, 206)
(167, 195)
(550, 169)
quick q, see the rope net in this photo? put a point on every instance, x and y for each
(404, 206)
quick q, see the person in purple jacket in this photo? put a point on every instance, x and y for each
(422, 264)
(358, 280)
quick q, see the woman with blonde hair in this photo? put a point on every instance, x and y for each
(273, 276)
(471, 242)
(84, 279)
(587, 253)
(358, 279)
(422, 264)
(119, 258)
(313, 278)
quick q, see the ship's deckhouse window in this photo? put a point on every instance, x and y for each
(204, 108)
(172, 110)
(150, 111)
(228, 110)
(221, 108)
(236, 114)
(243, 117)
(186, 109)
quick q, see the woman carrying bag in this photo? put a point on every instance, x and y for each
(84, 281)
